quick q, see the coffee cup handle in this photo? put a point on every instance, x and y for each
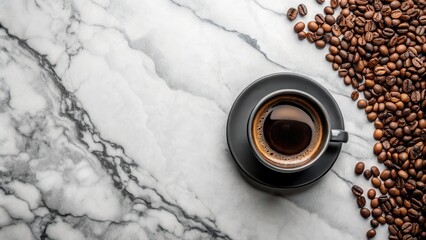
(338, 135)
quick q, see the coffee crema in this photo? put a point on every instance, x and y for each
(287, 131)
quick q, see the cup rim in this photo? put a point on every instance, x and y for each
(326, 141)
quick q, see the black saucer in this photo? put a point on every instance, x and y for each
(236, 132)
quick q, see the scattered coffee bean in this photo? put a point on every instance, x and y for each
(355, 95)
(312, 26)
(375, 171)
(367, 174)
(371, 194)
(360, 201)
(302, 9)
(371, 233)
(374, 223)
(377, 212)
(357, 190)
(299, 27)
(359, 168)
(376, 182)
(292, 13)
(362, 103)
(320, 1)
(365, 213)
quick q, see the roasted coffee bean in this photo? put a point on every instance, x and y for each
(302, 35)
(334, 3)
(377, 212)
(412, 213)
(313, 26)
(374, 203)
(389, 218)
(371, 233)
(359, 168)
(393, 229)
(329, 10)
(376, 182)
(365, 213)
(378, 147)
(360, 200)
(406, 227)
(394, 192)
(385, 174)
(362, 103)
(302, 9)
(375, 171)
(367, 174)
(292, 14)
(320, 44)
(355, 95)
(357, 190)
(299, 27)
(374, 223)
(319, 18)
(371, 194)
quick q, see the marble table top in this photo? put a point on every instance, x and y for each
(113, 115)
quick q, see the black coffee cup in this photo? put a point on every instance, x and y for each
(289, 130)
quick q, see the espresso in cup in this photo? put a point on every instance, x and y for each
(288, 130)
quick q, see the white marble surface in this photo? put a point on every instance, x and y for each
(113, 113)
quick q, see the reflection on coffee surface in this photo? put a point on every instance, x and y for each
(288, 131)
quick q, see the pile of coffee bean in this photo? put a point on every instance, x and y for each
(379, 48)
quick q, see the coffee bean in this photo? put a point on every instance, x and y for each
(393, 229)
(362, 103)
(412, 213)
(292, 13)
(377, 212)
(302, 35)
(407, 237)
(376, 182)
(335, 29)
(365, 213)
(372, 116)
(371, 233)
(394, 192)
(378, 147)
(320, 44)
(389, 218)
(359, 168)
(299, 27)
(371, 194)
(330, 19)
(403, 174)
(367, 174)
(374, 223)
(375, 171)
(360, 201)
(311, 37)
(357, 190)
(319, 18)
(406, 227)
(355, 95)
(320, 1)
(380, 70)
(329, 10)
(334, 3)
(302, 9)
(312, 26)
